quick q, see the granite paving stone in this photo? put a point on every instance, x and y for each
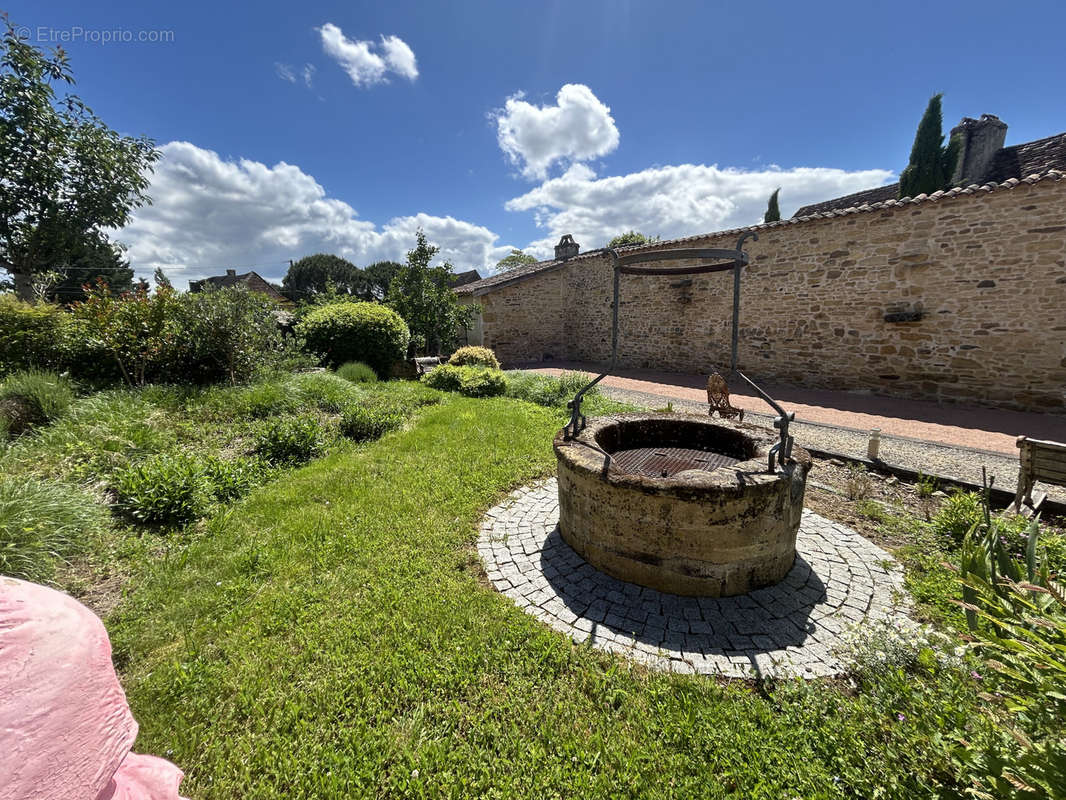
(839, 580)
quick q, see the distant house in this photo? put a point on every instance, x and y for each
(463, 278)
(252, 280)
(982, 160)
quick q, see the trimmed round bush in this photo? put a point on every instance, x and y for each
(43, 523)
(292, 441)
(474, 357)
(357, 372)
(470, 381)
(363, 424)
(482, 382)
(444, 378)
(163, 489)
(367, 332)
(33, 398)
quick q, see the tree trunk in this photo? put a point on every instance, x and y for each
(23, 285)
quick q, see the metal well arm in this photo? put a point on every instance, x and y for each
(727, 260)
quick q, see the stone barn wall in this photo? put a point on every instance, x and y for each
(960, 297)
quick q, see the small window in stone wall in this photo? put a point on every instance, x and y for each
(904, 312)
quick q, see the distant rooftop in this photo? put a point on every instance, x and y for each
(1017, 161)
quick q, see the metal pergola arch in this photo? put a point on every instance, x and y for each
(627, 264)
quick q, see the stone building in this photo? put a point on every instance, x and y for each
(956, 296)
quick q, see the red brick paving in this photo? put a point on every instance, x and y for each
(961, 426)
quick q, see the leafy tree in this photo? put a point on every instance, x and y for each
(324, 273)
(631, 238)
(66, 176)
(931, 163)
(773, 213)
(87, 263)
(422, 295)
(379, 275)
(515, 259)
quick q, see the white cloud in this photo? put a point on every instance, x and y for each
(399, 57)
(365, 66)
(308, 75)
(209, 214)
(577, 128)
(675, 201)
(284, 71)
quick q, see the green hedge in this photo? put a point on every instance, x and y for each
(367, 332)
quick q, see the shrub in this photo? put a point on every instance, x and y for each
(858, 485)
(545, 390)
(365, 423)
(877, 646)
(356, 372)
(291, 441)
(474, 357)
(444, 378)
(367, 332)
(470, 381)
(33, 398)
(228, 480)
(165, 489)
(42, 523)
(482, 382)
(958, 515)
(225, 334)
(1017, 615)
(29, 333)
(325, 391)
(257, 401)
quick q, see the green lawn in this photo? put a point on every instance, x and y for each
(329, 637)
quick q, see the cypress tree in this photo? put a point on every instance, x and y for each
(773, 213)
(925, 172)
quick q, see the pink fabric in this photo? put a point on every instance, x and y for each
(65, 727)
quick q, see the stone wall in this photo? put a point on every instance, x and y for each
(973, 285)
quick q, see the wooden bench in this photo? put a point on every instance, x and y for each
(1039, 461)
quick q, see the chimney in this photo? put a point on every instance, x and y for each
(567, 248)
(231, 273)
(979, 141)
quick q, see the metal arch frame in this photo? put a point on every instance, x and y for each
(733, 260)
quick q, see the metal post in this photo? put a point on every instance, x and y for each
(736, 298)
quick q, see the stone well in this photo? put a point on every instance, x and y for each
(680, 503)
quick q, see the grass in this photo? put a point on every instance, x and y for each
(43, 524)
(330, 634)
(330, 637)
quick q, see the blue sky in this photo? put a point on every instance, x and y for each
(290, 128)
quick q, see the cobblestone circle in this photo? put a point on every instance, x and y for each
(840, 580)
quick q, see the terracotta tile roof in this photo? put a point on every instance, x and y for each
(1016, 161)
(529, 270)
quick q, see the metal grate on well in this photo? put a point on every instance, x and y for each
(662, 462)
